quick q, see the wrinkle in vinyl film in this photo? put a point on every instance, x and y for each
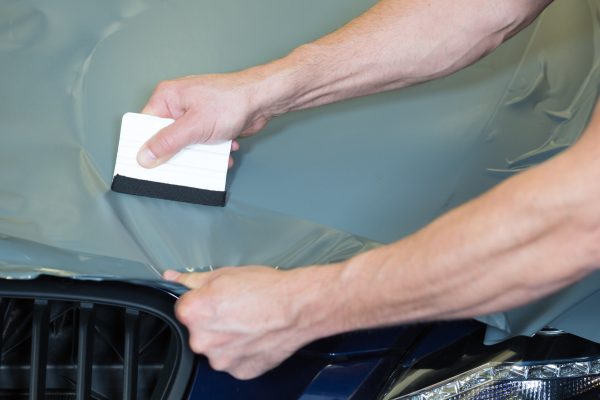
(539, 80)
(72, 70)
(21, 27)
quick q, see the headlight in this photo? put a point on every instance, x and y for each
(545, 367)
(559, 380)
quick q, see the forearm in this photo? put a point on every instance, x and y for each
(532, 235)
(528, 237)
(395, 44)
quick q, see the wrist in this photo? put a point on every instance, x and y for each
(285, 84)
(320, 301)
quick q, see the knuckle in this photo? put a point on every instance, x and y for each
(197, 345)
(243, 373)
(220, 363)
(183, 309)
(164, 86)
(202, 137)
(162, 143)
(192, 279)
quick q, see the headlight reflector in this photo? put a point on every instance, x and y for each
(535, 381)
(551, 365)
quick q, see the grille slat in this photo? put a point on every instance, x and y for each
(131, 354)
(70, 339)
(85, 349)
(3, 309)
(39, 349)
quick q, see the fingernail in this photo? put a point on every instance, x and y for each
(146, 158)
(171, 275)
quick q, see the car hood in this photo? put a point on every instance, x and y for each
(309, 189)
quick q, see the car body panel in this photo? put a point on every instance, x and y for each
(313, 186)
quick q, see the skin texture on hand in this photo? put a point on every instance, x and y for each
(526, 238)
(366, 56)
(530, 236)
(248, 320)
(205, 108)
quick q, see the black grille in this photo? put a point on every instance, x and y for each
(67, 339)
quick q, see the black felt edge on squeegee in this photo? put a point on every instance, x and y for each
(167, 191)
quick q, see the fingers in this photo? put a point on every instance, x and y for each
(239, 368)
(240, 364)
(195, 103)
(157, 108)
(192, 280)
(167, 142)
(237, 336)
(235, 146)
(242, 367)
(157, 103)
(171, 275)
(170, 140)
(251, 368)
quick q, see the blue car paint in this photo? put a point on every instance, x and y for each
(352, 366)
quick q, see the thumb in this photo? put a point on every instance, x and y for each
(167, 142)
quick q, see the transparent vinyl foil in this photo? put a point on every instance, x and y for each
(306, 190)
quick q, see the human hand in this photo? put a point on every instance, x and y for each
(206, 108)
(247, 320)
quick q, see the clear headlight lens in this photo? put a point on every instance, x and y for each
(551, 365)
(535, 381)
